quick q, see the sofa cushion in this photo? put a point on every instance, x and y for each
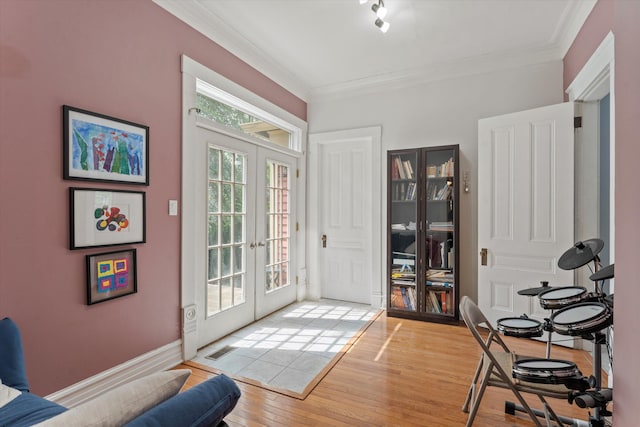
(203, 405)
(7, 394)
(12, 371)
(124, 403)
(28, 409)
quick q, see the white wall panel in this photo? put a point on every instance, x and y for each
(543, 182)
(502, 151)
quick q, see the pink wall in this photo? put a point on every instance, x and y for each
(623, 17)
(121, 59)
(595, 28)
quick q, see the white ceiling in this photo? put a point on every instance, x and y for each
(319, 47)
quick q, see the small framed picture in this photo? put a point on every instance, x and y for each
(106, 217)
(111, 275)
(102, 148)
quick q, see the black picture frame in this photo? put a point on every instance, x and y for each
(97, 147)
(100, 217)
(111, 275)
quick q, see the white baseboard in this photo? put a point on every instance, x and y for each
(156, 360)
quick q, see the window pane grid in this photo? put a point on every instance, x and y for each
(226, 230)
(277, 225)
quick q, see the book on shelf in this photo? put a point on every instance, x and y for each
(403, 298)
(445, 275)
(401, 169)
(435, 304)
(396, 298)
(444, 169)
(408, 169)
(441, 226)
(437, 190)
(444, 284)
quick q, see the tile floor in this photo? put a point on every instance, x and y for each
(290, 347)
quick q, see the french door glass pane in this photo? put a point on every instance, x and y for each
(226, 230)
(213, 202)
(213, 230)
(214, 163)
(277, 225)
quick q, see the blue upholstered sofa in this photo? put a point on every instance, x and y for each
(151, 401)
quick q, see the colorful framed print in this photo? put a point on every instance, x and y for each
(106, 217)
(102, 148)
(111, 275)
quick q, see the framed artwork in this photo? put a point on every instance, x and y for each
(106, 217)
(111, 275)
(102, 148)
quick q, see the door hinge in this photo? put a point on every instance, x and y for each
(297, 173)
(297, 226)
(577, 122)
(296, 280)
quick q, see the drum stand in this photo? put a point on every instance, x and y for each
(593, 396)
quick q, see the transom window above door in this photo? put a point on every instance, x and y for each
(224, 109)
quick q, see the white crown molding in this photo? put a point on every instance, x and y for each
(570, 24)
(157, 360)
(436, 72)
(213, 27)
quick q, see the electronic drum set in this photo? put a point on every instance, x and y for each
(576, 313)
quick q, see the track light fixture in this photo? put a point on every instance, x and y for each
(384, 26)
(380, 11)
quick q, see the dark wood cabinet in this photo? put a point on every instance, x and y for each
(422, 233)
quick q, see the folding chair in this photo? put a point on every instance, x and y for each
(495, 367)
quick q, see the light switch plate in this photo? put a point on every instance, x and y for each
(173, 207)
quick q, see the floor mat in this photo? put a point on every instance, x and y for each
(291, 350)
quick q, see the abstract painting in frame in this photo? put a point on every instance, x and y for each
(102, 148)
(111, 275)
(106, 217)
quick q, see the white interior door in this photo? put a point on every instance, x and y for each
(345, 223)
(526, 206)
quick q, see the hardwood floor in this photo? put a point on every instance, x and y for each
(399, 373)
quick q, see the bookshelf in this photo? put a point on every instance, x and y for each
(422, 235)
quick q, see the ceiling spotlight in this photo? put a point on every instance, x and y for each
(384, 26)
(379, 9)
(363, 1)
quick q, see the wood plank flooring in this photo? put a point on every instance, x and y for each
(399, 373)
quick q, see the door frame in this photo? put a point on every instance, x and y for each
(192, 71)
(317, 140)
(592, 83)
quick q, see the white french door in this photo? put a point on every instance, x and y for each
(244, 235)
(275, 232)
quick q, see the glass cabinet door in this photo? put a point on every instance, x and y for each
(440, 231)
(403, 197)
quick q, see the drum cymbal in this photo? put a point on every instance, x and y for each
(580, 254)
(532, 292)
(603, 274)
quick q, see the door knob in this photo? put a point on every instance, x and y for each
(483, 256)
(261, 244)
